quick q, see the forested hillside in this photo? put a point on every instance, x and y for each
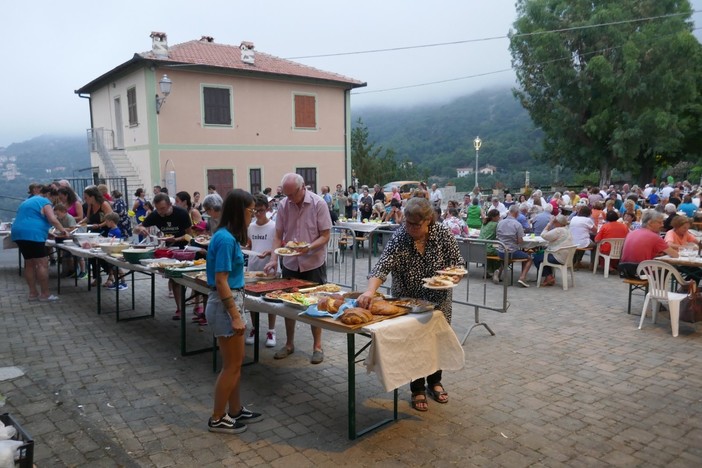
(440, 138)
(41, 159)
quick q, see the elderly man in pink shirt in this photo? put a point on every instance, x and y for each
(302, 216)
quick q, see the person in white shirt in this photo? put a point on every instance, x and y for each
(583, 229)
(666, 190)
(435, 196)
(499, 206)
(261, 233)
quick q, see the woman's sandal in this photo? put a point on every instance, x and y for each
(440, 396)
(420, 398)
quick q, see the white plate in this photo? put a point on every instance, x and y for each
(294, 254)
(459, 272)
(250, 253)
(440, 287)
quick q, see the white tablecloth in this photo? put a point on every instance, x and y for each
(361, 227)
(413, 346)
(530, 242)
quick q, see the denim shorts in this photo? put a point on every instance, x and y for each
(218, 317)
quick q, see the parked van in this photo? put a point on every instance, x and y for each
(405, 188)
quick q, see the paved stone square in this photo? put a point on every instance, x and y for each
(568, 380)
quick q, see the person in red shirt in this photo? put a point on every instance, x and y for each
(645, 243)
(612, 229)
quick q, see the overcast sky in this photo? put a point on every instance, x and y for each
(50, 48)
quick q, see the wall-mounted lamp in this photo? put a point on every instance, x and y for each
(165, 87)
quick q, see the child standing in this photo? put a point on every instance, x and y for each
(261, 233)
(115, 279)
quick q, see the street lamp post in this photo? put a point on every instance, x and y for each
(476, 143)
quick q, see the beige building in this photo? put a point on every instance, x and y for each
(233, 117)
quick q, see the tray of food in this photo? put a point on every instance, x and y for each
(263, 287)
(322, 288)
(415, 306)
(298, 300)
(353, 317)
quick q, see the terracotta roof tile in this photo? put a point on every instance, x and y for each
(227, 56)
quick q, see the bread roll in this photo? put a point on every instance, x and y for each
(334, 303)
(323, 304)
(381, 307)
(356, 316)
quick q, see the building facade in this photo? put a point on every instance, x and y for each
(234, 118)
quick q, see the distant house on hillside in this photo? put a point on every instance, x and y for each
(464, 171)
(487, 169)
(200, 113)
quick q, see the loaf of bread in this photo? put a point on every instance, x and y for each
(356, 316)
(381, 307)
(330, 303)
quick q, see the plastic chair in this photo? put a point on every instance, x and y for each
(660, 275)
(333, 248)
(615, 253)
(563, 268)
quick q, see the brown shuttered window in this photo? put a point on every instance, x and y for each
(309, 174)
(217, 106)
(305, 111)
(255, 180)
(132, 107)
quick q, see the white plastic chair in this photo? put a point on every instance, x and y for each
(563, 268)
(660, 275)
(333, 246)
(615, 253)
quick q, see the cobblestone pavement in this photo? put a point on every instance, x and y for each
(567, 380)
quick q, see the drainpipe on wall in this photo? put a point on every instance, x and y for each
(347, 144)
(90, 106)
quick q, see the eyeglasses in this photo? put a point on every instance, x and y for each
(410, 224)
(251, 210)
(260, 210)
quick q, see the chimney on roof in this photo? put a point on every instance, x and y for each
(247, 52)
(206, 39)
(159, 44)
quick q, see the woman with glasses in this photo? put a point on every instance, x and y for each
(419, 248)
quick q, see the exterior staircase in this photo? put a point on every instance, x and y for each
(114, 162)
(125, 169)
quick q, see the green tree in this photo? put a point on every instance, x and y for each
(608, 97)
(378, 165)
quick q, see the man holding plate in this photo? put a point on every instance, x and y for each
(302, 228)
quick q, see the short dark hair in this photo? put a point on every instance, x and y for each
(162, 197)
(585, 211)
(612, 216)
(164, 190)
(261, 200)
(211, 187)
(139, 192)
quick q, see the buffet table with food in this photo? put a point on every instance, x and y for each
(388, 323)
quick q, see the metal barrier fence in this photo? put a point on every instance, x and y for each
(352, 254)
(113, 183)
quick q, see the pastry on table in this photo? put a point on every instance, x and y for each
(356, 316)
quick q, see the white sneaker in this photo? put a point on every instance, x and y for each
(496, 277)
(251, 337)
(270, 339)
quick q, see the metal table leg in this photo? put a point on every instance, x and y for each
(352, 354)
